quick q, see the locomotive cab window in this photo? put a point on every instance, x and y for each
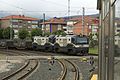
(81, 40)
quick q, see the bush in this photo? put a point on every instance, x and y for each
(23, 33)
(93, 42)
(47, 34)
(36, 32)
(6, 33)
(59, 32)
(1, 33)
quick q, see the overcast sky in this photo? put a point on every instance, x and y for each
(51, 8)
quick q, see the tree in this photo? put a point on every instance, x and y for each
(6, 33)
(1, 33)
(36, 32)
(23, 33)
(93, 42)
(59, 32)
(47, 34)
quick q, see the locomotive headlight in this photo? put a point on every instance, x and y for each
(78, 46)
(85, 45)
(82, 46)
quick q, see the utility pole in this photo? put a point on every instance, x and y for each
(68, 15)
(68, 8)
(11, 28)
(43, 23)
(83, 14)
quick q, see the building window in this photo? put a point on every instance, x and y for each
(34, 26)
(15, 26)
(47, 27)
(59, 27)
(16, 31)
(14, 20)
(34, 22)
(20, 26)
(29, 21)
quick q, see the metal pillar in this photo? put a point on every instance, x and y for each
(68, 8)
(110, 68)
(11, 28)
(43, 23)
(102, 57)
(83, 20)
(100, 50)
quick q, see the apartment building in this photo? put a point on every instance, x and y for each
(53, 25)
(76, 26)
(70, 25)
(19, 21)
(117, 31)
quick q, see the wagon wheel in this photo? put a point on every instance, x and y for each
(71, 49)
(56, 48)
(35, 46)
(47, 48)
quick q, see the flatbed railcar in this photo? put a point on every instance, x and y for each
(16, 43)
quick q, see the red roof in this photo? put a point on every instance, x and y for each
(20, 17)
(87, 20)
(55, 21)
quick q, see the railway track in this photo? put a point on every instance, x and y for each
(69, 72)
(24, 71)
(14, 52)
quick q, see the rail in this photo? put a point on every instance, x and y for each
(62, 77)
(23, 72)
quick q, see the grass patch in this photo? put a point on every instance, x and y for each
(93, 50)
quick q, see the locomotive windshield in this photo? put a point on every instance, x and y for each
(81, 40)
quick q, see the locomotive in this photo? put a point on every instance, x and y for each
(71, 44)
(43, 43)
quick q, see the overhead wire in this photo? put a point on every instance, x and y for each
(46, 11)
(12, 5)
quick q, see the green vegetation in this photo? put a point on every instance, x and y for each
(93, 50)
(1, 33)
(93, 42)
(36, 32)
(59, 32)
(6, 33)
(23, 33)
(47, 34)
